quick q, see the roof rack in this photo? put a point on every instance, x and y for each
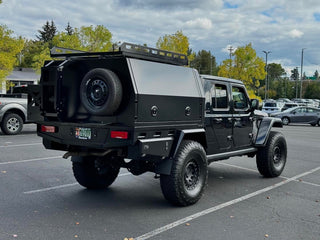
(127, 50)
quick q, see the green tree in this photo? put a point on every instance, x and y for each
(275, 71)
(316, 75)
(69, 29)
(65, 40)
(47, 33)
(205, 63)
(312, 90)
(95, 39)
(10, 47)
(245, 66)
(294, 74)
(176, 42)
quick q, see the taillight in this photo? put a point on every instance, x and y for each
(119, 134)
(48, 129)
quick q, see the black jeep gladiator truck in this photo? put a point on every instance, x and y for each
(142, 109)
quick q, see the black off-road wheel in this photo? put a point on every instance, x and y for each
(11, 124)
(101, 92)
(91, 175)
(189, 174)
(272, 158)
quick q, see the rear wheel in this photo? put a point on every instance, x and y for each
(285, 121)
(92, 174)
(11, 124)
(272, 158)
(186, 183)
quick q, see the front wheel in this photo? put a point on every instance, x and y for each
(272, 158)
(11, 124)
(189, 174)
(90, 173)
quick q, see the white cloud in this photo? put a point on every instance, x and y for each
(202, 23)
(295, 33)
(280, 26)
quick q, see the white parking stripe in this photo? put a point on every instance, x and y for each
(252, 170)
(220, 206)
(21, 145)
(30, 160)
(63, 186)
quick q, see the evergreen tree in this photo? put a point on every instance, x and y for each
(316, 75)
(47, 33)
(69, 29)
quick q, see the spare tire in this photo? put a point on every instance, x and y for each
(101, 92)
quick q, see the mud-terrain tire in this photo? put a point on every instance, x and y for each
(101, 92)
(189, 174)
(90, 176)
(272, 158)
(11, 124)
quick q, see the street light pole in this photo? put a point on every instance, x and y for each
(266, 81)
(301, 72)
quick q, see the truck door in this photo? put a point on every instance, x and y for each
(242, 117)
(217, 117)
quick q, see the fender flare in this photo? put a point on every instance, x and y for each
(164, 167)
(13, 107)
(264, 130)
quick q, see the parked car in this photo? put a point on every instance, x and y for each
(300, 114)
(284, 100)
(271, 106)
(300, 101)
(289, 105)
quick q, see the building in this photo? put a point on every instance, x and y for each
(21, 76)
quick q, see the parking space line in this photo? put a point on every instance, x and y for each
(21, 145)
(235, 166)
(252, 170)
(30, 160)
(221, 206)
(63, 186)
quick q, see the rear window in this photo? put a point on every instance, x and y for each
(270, 104)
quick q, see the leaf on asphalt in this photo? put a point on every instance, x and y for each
(128, 239)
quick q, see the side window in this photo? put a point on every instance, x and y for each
(240, 100)
(216, 96)
(220, 98)
(208, 90)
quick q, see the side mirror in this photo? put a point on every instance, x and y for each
(254, 104)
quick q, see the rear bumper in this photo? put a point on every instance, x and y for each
(97, 136)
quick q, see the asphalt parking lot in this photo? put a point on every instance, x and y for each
(39, 198)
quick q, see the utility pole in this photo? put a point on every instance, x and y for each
(230, 50)
(301, 77)
(297, 78)
(266, 94)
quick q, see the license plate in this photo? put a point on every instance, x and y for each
(83, 133)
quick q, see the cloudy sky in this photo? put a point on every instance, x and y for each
(283, 27)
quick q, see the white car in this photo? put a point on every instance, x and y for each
(270, 107)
